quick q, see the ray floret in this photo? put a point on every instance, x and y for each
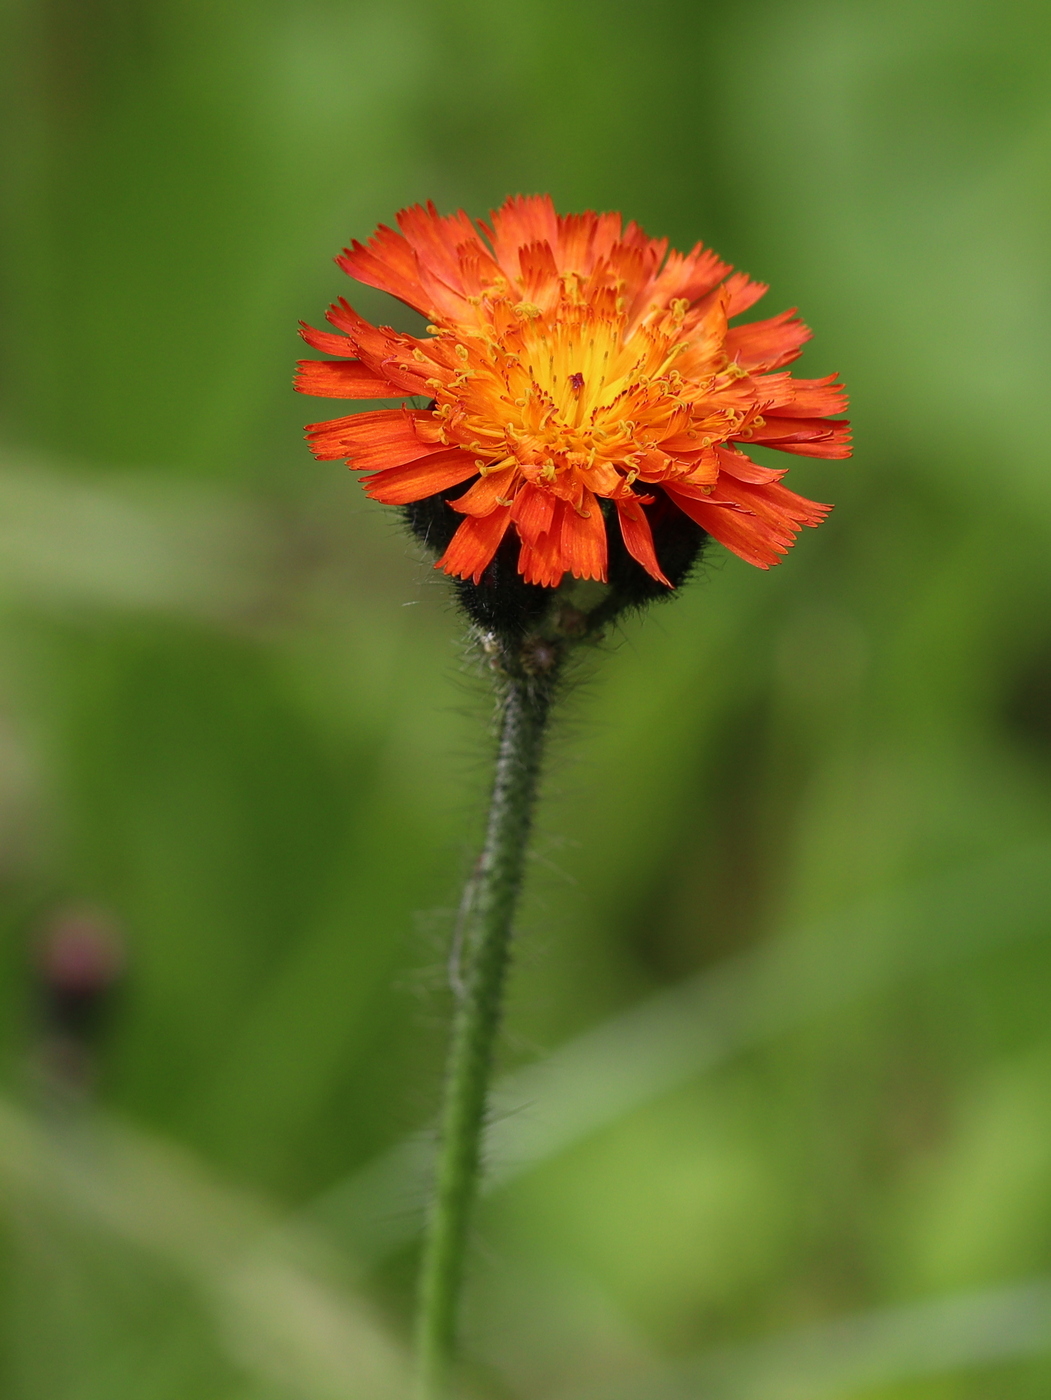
(569, 362)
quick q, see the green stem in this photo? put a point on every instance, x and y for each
(482, 953)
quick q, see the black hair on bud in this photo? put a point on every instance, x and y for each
(504, 604)
(501, 601)
(433, 521)
(678, 543)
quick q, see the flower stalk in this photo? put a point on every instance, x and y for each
(589, 412)
(482, 956)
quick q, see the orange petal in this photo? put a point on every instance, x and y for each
(438, 241)
(651, 463)
(533, 512)
(638, 538)
(706, 338)
(486, 493)
(372, 441)
(521, 220)
(744, 293)
(436, 238)
(688, 275)
(342, 379)
(478, 269)
(703, 469)
(808, 437)
(387, 262)
(801, 398)
(474, 544)
(584, 239)
(751, 539)
(744, 469)
(584, 540)
(412, 481)
(326, 342)
(539, 271)
(540, 559)
(763, 345)
(386, 351)
(771, 502)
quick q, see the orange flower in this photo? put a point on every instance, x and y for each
(571, 362)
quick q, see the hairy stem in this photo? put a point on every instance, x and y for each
(480, 965)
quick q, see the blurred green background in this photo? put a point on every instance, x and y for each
(776, 1115)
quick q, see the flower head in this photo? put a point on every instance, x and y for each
(582, 379)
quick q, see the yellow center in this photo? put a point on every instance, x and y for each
(577, 396)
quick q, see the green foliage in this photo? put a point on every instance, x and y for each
(774, 1119)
